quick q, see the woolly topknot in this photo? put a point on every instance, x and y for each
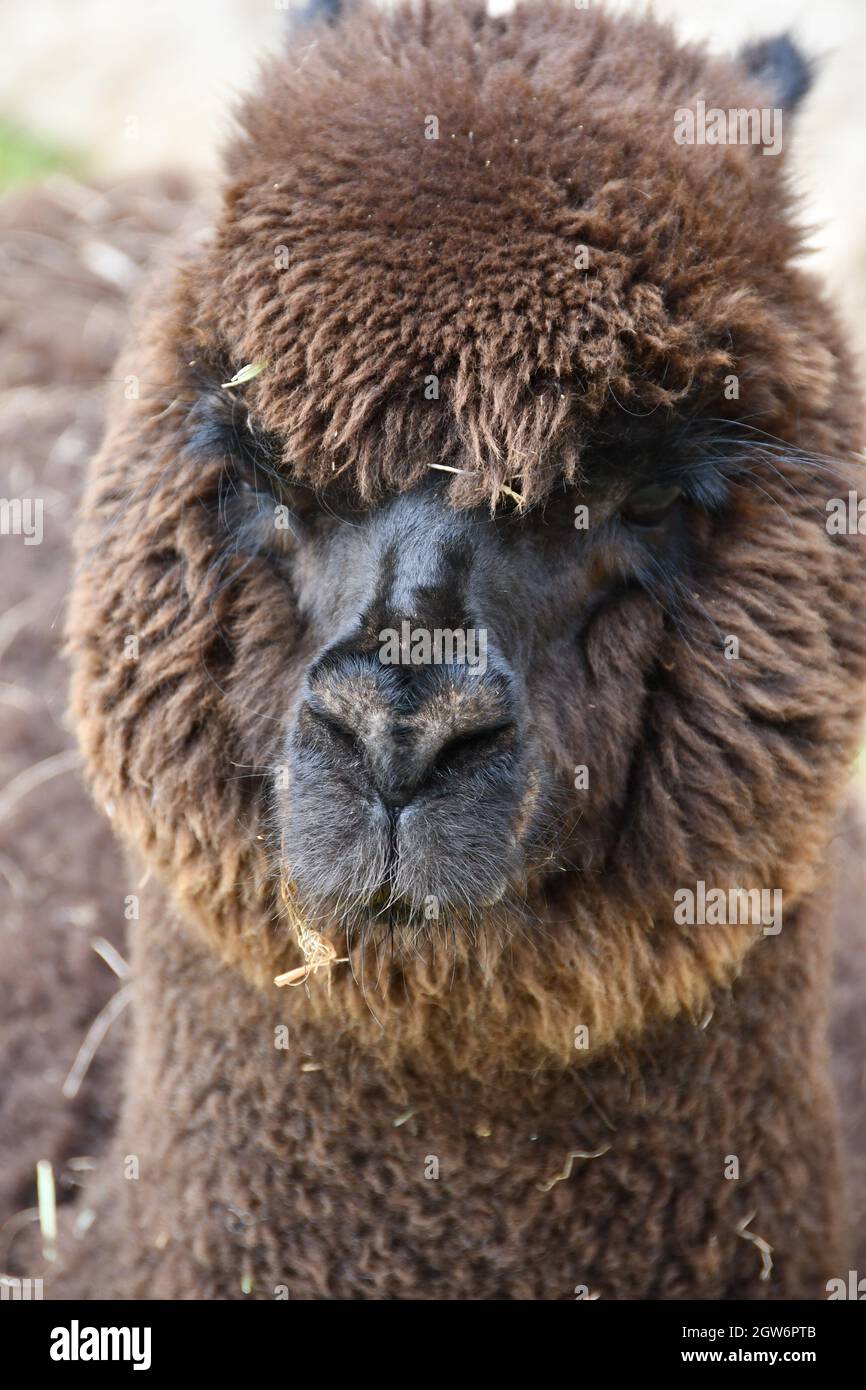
(457, 241)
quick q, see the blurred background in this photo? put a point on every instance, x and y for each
(111, 121)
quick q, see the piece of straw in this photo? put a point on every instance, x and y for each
(95, 1033)
(765, 1248)
(247, 373)
(36, 775)
(318, 953)
(566, 1172)
(112, 957)
(47, 1207)
(500, 487)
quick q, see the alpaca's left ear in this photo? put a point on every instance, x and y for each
(315, 11)
(781, 67)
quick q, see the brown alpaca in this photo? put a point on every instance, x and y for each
(529, 1077)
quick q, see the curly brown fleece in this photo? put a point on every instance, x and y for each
(456, 257)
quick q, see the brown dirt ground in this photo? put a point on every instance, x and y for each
(69, 257)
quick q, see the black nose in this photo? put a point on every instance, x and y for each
(403, 732)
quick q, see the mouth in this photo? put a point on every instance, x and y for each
(396, 911)
(440, 862)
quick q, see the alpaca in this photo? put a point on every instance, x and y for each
(478, 346)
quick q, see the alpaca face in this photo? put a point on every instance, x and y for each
(414, 775)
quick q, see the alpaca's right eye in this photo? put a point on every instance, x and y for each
(262, 511)
(269, 488)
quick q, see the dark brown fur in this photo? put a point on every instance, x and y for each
(456, 257)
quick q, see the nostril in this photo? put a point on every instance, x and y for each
(474, 745)
(394, 757)
(320, 722)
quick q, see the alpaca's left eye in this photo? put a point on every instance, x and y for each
(302, 501)
(651, 505)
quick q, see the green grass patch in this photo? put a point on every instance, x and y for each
(25, 157)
